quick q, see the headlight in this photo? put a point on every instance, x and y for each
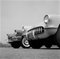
(46, 19)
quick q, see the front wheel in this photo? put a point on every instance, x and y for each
(15, 44)
(25, 43)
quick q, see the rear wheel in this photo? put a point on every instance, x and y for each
(25, 43)
(15, 44)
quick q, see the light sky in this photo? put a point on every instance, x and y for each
(16, 13)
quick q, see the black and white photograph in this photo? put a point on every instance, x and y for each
(29, 29)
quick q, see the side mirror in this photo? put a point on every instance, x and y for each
(46, 19)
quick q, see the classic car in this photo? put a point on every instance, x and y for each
(47, 34)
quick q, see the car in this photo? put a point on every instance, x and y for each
(46, 33)
(14, 40)
(17, 39)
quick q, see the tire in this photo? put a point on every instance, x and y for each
(48, 43)
(25, 43)
(58, 36)
(58, 46)
(35, 44)
(15, 44)
(48, 46)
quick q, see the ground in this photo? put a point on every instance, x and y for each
(43, 53)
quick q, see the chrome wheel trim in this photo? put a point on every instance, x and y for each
(25, 42)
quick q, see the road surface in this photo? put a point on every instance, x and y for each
(10, 53)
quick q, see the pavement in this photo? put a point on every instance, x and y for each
(43, 53)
